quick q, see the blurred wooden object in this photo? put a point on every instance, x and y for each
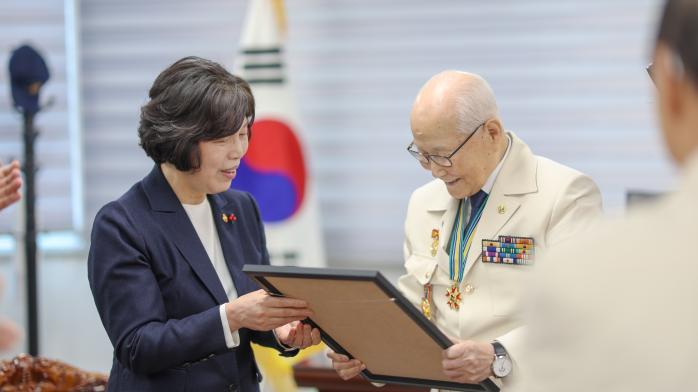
(25, 373)
(327, 380)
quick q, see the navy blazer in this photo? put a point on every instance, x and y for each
(158, 294)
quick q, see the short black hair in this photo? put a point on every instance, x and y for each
(193, 100)
(678, 29)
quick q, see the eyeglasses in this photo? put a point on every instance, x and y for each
(443, 161)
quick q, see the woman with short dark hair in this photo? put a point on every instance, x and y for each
(166, 257)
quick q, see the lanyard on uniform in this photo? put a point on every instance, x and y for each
(462, 239)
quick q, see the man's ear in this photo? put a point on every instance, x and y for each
(494, 128)
(669, 81)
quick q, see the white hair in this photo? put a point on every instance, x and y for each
(474, 100)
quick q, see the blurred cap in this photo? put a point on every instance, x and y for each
(28, 72)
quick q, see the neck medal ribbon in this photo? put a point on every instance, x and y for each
(460, 246)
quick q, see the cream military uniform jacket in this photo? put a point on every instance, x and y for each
(531, 197)
(616, 310)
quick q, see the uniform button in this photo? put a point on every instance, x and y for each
(232, 388)
(469, 288)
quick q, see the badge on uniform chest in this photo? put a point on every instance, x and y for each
(434, 242)
(508, 250)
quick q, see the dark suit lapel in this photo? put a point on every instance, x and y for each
(229, 235)
(178, 227)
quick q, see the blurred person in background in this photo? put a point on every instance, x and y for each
(165, 259)
(616, 310)
(10, 184)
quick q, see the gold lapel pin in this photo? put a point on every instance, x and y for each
(434, 242)
(229, 218)
(501, 208)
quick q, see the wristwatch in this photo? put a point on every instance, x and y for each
(502, 365)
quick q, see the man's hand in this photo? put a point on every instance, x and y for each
(298, 335)
(10, 182)
(262, 312)
(468, 362)
(345, 367)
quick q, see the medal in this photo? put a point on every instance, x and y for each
(454, 297)
(426, 303)
(434, 242)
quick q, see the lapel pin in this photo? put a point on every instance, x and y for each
(501, 208)
(229, 218)
(434, 242)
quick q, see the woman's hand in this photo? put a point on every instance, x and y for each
(298, 335)
(262, 312)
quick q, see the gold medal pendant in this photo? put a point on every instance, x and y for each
(454, 296)
(426, 303)
(426, 308)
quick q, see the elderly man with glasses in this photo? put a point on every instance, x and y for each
(473, 234)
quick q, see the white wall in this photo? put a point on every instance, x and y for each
(569, 77)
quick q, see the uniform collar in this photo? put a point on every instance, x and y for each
(516, 174)
(487, 188)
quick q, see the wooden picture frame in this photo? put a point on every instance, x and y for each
(363, 316)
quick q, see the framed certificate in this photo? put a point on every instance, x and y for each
(363, 316)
